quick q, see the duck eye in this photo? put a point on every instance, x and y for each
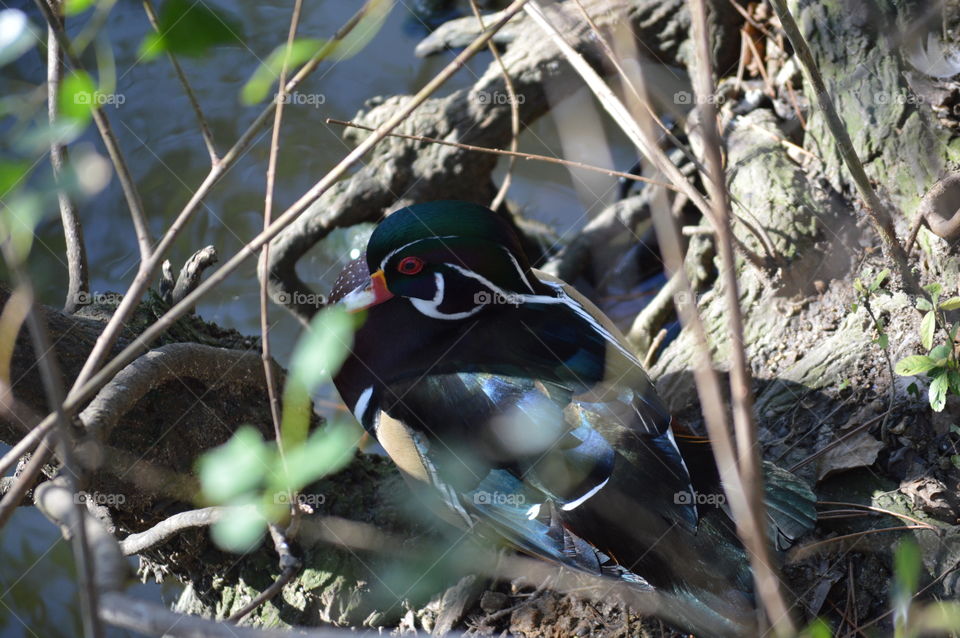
(410, 265)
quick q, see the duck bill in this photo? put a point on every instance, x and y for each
(375, 292)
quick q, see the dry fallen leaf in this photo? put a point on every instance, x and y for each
(858, 451)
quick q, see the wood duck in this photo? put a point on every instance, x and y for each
(520, 406)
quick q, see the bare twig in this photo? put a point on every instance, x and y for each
(132, 196)
(148, 268)
(751, 520)
(876, 211)
(802, 553)
(643, 140)
(53, 389)
(514, 113)
(289, 567)
(265, 251)
(654, 346)
(205, 131)
(78, 282)
(498, 151)
(826, 448)
(86, 388)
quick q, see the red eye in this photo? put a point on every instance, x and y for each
(410, 265)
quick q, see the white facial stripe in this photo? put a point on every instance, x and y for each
(383, 262)
(431, 307)
(360, 409)
(562, 298)
(580, 501)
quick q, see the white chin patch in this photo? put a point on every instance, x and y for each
(431, 307)
(358, 299)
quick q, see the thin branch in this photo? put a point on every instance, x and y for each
(498, 151)
(192, 272)
(290, 566)
(194, 103)
(148, 269)
(142, 541)
(643, 140)
(876, 211)
(751, 520)
(78, 282)
(265, 251)
(52, 380)
(132, 196)
(514, 113)
(84, 390)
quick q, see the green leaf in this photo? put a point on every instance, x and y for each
(12, 174)
(318, 355)
(78, 94)
(240, 529)
(940, 354)
(854, 307)
(938, 391)
(878, 280)
(190, 28)
(954, 378)
(913, 365)
(858, 286)
(236, 467)
(927, 327)
(951, 304)
(913, 389)
(328, 450)
(73, 7)
(258, 86)
(18, 220)
(934, 289)
(924, 304)
(953, 332)
(817, 629)
(906, 568)
(955, 459)
(883, 341)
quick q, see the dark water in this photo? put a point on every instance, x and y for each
(165, 153)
